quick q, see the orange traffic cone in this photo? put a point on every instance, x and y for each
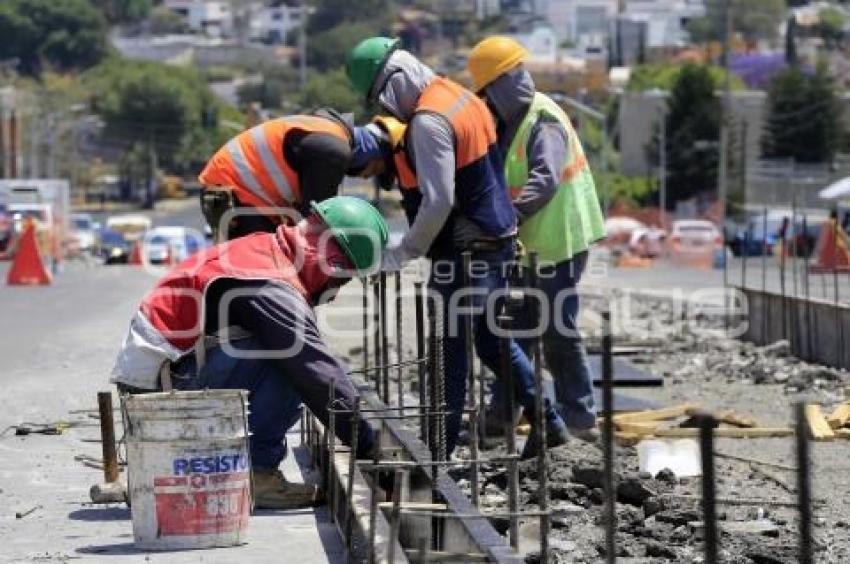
(135, 258)
(27, 267)
(832, 249)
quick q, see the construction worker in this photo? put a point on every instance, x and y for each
(254, 296)
(269, 174)
(554, 196)
(450, 143)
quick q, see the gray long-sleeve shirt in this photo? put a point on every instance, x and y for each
(510, 96)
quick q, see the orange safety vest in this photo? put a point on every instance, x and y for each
(480, 190)
(253, 163)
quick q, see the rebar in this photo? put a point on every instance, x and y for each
(608, 435)
(747, 237)
(330, 444)
(420, 353)
(376, 331)
(395, 514)
(437, 391)
(839, 328)
(510, 439)
(349, 493)
(385, 347)
(373, 498)
(783, 233)
(539, 411)
(398, 341)
(107, 437)
(795, 314)
(809, 329)
(365, 282)
(804, 492)
(466, 261)
(709, 508)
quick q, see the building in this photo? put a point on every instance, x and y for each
(273, 23)
(666, 20)
(210, 17)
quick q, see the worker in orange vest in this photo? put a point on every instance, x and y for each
(268, 175)
(451, 163)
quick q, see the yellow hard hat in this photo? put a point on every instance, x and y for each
(492, 58)
(394, 128)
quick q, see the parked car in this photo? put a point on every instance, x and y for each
(760, 234)
(114, 248)
(174, 244)
(133, 226)
(694, 235)
(83, 232)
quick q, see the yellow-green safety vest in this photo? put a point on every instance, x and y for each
(572, 220)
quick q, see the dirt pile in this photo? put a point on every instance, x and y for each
(658, 517)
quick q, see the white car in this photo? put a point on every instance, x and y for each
(694, 235)
(83, 231)
(168, 244)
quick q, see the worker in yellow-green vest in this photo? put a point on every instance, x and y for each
(552, 189)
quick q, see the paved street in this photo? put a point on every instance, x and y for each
(58, 344)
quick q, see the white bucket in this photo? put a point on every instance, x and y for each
(189, 469)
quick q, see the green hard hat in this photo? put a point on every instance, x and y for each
(359, 229)
(366, 60)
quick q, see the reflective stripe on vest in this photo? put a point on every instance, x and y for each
(481, 194)
(253, 162)
(572, 219)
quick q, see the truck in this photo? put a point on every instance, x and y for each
(44, 202)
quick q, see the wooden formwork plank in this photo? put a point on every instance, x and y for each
(840, 416)
(655, 414)
(729, 432)
(628, 439)
(842, 433)
(637, 427)
(818, 427)
(732, 418)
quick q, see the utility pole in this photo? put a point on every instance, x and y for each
(662, 171)
(302, 45)
(725, 115)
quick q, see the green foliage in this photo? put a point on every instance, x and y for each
(61, 34)
(164, 21)
(160, 106)
(331, 89)
(831, 26)
(330, 14)
(753, 19)
(267, 92)
(329, 49)
(804, 117)
(635, 191)
(663, 76)
(692, 134)
(123, 11)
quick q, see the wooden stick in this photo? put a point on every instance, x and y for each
(637, 428)
(655, 414)
(840, 416)
(842, 433)
(729, 432)
(732, 418)
(818, 427)
(755, 461)
(773, 478)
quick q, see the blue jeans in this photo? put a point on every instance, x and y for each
(562, 346)
(489, 275)
(275, 405)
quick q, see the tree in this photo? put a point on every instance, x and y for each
(63, 34)
(831, 26)
(123, 11)
(804, 117)
(164, 21)
(166, 109)
(663, 76)
(692, 134)
(332, 13)
(753, 19)
(329, 49)
(331, 89)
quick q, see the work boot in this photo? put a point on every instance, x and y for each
(556, 435)
(272, 491)
(492, 434)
